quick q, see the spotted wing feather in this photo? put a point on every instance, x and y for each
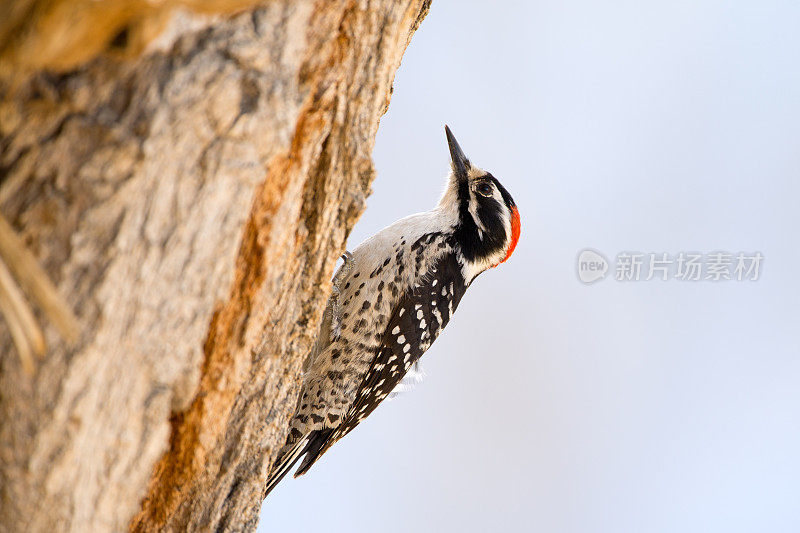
(415, 323)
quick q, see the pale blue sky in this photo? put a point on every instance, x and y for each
(558, 407)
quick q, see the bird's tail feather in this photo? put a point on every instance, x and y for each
(286, 462)
(314, 449)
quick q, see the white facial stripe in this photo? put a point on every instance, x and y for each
(473, 174)
(473, 210)
(506, 217)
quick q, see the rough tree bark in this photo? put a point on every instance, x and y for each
(190, 204)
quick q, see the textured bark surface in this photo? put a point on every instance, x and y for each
(190, 205)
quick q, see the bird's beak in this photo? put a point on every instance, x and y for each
(459, 160)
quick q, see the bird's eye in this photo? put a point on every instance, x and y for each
(484, 188)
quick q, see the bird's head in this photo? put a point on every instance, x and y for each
(487, 224)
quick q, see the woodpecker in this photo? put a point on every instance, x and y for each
(391, 299)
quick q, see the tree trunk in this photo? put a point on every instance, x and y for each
(189, 203)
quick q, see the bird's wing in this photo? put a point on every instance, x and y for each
(416, 321)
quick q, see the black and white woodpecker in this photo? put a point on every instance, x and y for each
(391, 298)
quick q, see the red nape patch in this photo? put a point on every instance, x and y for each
(515, 229)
